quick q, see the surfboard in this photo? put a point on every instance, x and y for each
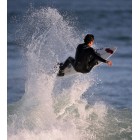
(103, 52)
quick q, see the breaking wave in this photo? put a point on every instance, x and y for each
(51, 107)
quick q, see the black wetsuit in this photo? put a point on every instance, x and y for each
(85, 59)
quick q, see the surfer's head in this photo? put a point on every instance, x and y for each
(89, 39)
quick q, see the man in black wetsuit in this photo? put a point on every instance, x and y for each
(85, 58)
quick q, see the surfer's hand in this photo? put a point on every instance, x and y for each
(109, 63)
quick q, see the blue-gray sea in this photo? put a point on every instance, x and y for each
(93, 106)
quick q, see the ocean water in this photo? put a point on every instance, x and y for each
(94, 106)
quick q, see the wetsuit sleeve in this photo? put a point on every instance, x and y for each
(99, 58)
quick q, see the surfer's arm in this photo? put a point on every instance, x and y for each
(103, 60)
(99, 58)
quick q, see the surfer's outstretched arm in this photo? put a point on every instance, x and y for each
(102, 60)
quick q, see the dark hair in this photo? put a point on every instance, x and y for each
(88, 38)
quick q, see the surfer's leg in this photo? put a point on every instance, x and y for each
(93, 63)
(61, 71)
(69, 60)
(94, 60)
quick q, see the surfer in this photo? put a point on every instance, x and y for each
(85, 58)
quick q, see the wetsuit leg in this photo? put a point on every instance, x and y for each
(93, 62)
(69, 60)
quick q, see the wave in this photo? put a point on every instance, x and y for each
(52, 107)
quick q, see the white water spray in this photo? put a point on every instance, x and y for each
(52, 108)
